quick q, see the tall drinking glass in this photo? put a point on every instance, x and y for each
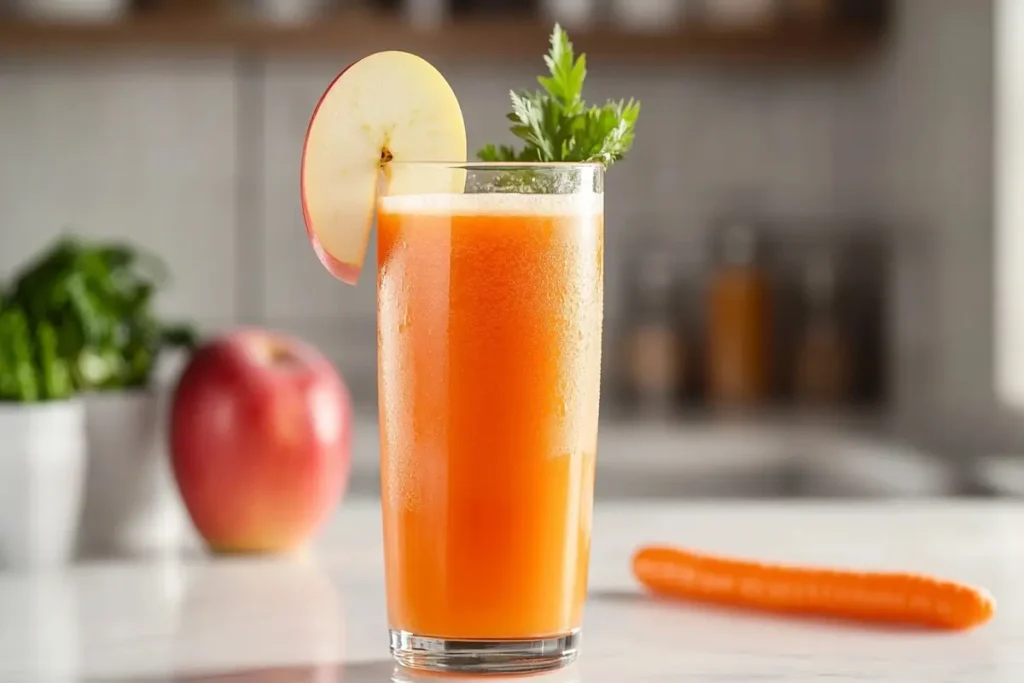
(489, 312)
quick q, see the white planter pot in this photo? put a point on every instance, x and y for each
(42, 463)
(131, 500)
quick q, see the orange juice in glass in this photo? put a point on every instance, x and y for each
(489, 304)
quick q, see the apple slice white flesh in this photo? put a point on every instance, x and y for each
(387, 106)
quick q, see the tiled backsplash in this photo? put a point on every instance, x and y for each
(198, 160)
(144, 150)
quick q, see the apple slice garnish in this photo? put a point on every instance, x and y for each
(389, 106)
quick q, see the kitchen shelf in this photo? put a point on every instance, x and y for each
(469, 39)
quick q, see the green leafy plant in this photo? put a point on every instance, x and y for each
(31, 368)
(79, 317)
(556, 123)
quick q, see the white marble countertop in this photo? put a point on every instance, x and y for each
(321, 617)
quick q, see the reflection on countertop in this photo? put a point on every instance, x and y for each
(374, 671)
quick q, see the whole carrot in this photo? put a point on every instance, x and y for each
(894, 598)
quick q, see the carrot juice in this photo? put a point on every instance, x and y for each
(489, 342)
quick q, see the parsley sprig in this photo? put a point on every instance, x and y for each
(556, 123)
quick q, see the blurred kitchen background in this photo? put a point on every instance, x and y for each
(801, 248)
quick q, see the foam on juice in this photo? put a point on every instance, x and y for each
(494, 204)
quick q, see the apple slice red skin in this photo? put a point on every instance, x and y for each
(345, 272)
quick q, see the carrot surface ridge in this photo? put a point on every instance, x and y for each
(884, 597)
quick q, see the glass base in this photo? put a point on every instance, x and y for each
(484, 656)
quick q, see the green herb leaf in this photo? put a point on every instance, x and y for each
(609, 131)
(567, 75)
(556, 123)
(497, 153)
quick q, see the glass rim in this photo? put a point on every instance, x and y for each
(501, 165)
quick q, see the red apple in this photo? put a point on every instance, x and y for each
(260, 433)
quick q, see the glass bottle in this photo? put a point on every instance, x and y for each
(738, 371)
(653, 352)
(823, 350)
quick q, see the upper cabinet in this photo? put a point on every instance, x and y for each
(804, 32)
